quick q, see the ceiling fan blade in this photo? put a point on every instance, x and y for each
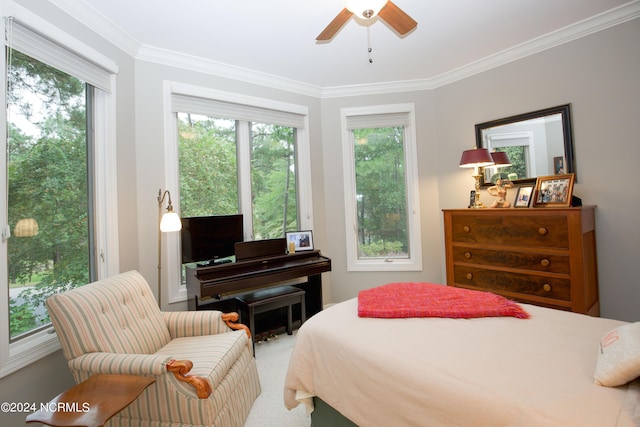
(335, 25)
(397, 18)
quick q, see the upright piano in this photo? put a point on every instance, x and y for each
(215, 287)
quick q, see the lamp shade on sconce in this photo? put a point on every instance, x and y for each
(476, 158)
(500, 159)
(170, 222)
(26, 227)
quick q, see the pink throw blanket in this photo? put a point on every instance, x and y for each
(417, 299)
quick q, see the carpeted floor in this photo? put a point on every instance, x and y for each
(272, 358)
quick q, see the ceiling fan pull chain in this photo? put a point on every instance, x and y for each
(369, 40)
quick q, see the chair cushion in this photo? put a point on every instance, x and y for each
(225, 360)
(212, 355)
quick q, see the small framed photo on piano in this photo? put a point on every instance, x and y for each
(299, 241)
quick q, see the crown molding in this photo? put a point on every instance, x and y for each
(228, 71)
(91, 18)
(84, 13)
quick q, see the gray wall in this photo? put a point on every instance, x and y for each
(597, 74)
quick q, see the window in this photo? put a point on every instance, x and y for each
(236, 154)
(55, 166)
(381, 193)
(208, 158)
(273, 181)
(49, 207)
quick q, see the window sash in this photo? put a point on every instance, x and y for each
(375, 117)
(367, 197)
(20, 201)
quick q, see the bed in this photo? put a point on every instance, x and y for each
(485, 371)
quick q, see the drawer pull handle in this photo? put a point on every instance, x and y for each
(546, 287)
(466, 229)
(467, 255)
(545, 262)
(542, 231)
(469, 276)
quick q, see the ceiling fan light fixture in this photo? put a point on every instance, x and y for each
(365, 9)
(391, 14)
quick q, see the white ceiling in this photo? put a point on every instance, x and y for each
(277, 37)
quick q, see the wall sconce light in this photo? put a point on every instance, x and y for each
(26, 227)
(169, 222)
(477, 158)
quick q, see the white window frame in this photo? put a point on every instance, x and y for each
(177, 290)
(414, 261)
(16, 355)
(512, 139)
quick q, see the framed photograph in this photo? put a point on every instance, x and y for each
(300, 240)
(523, 196)
(554, 191)
(558, 165)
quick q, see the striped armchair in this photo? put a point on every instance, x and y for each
(114, 326)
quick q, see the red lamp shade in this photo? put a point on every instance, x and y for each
(478, 157)
(500, 158)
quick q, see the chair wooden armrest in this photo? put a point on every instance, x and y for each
(231, 320)
(180, 368)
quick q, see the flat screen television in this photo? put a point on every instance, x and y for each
(207, 239)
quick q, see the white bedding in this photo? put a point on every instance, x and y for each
(498, 371)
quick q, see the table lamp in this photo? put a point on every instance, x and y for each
(476, 159)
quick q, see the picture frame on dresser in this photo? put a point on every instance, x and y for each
(523, 197)
(554, 191)
(301, 240)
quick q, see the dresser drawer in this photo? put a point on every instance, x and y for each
(497, 281)
(532, 230)
(512, 259)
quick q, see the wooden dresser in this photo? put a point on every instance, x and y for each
(541, 256)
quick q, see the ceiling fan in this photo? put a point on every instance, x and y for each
(368, 9)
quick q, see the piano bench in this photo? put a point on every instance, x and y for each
(270, 299)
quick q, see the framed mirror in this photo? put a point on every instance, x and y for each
(538, 143)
